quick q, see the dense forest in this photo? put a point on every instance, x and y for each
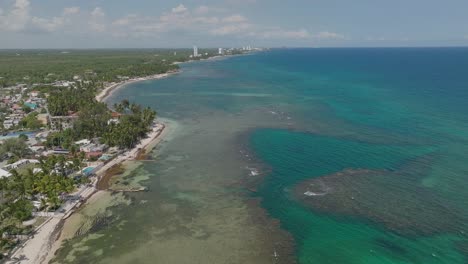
(47, 66)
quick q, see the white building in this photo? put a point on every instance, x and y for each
(7, 124)
(220, 51)
(20, 163)
(195, 51)
(4, 174)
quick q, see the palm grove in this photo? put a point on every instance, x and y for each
(46, 186)
(123, 128)
(131, 123)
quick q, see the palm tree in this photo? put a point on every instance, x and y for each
(125, 103)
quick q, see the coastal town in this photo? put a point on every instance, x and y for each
(58, 140)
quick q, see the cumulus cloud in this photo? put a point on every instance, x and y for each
(201, 21)
(235, 19)
(48, 25)
(97, 13)
(125, 20)
(203, 10)
(71, 10)
(97, 20)
(179, 9)
(17, 18)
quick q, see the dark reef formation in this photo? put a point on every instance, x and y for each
(393, 199)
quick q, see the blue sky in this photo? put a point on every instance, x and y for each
(226, 23)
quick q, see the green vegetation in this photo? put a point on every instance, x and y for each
(16, 147)
(48, 66)
(44, 186)
(93, 119)
(31, 122)
(62, 101)
(133, 124)
(47, 182)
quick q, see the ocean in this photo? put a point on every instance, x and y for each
(298, 155)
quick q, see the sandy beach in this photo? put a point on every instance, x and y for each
(108, 90)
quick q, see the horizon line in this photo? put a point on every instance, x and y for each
(279, 47)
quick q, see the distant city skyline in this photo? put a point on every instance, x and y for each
(231, 23)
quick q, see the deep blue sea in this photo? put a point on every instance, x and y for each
(380, 136)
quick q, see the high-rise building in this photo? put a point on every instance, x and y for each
(220, 51)
(195, 51)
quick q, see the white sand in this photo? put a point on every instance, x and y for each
(108, 90)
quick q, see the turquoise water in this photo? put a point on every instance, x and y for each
(302, 115)
(406, 104)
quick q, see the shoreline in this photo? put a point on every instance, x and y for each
(111, 88)
(47, 238)
(43, 245)
(153, 138)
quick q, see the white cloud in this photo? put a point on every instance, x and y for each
(284, 34)
(17, 18)
(203, 21)
(22, 4)
(179, 9)
(97, 13)
(206, 20)
(329, 35)
(97, 20)
(54, 23)
(235, 19)
(48, 25)
(71, 10)
(203, 10)
(125, 20)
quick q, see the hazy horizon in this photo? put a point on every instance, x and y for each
(96, 24)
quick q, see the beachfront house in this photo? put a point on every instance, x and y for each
(20, 163)
(92, 147)
(83, 142)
